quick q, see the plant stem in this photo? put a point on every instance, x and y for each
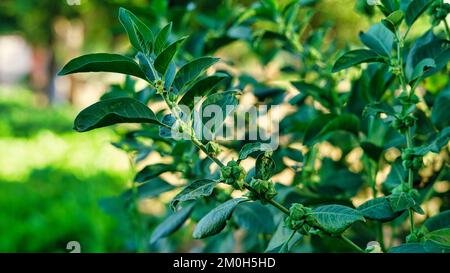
(350, 243)
(402, 79)
(447, 28)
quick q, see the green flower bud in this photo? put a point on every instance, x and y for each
(264, 190)
(233, 175)
(213, 148)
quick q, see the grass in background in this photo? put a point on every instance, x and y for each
(51, 180)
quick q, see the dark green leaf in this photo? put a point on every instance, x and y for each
(113, 111)
(421, 68)
(440, 221)
(103, 62)
(440, 237)
(171, 223)
(152, 171)
(356, 57)
(250, 148)
(378, 209)
(254, 217)
(201, 88)
(436, 144)
(197, 189)
(440, 116)
(408, 248)
(415, 9)
(190, 71)
(164, 58)
(279, 238)
(401, 201)
(335, 219)
(216, 219)
(141, 37)
(147, 67)
(379, 39)
(161, 40)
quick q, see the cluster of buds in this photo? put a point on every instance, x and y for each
(159, 85)
(395, 67)
(213, 149)
(411, 160)
(415, 237)
(438, 12)
(406, 188)
(263, 190)
(233, 174)
(300, 218)
(403, 123)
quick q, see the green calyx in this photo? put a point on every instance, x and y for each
(415, 237)
(403, 123)
(213, 149)
(406, 188)
(300, 218)
(263, 190)
(233, 175)
(411, 160)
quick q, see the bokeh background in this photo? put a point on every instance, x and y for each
(52, 179)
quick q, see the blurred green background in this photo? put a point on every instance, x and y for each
(51, 178)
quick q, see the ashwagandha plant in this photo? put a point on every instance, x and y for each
(208, 201)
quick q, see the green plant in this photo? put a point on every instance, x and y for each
(347, 120)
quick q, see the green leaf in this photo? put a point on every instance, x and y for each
(161, 40)
(264, 166)
(442, 220)
(216, 220)
(147, 67)
(421, 68)
(171, 223)
(356, 57)
(393, 20)
(215, 109)
(440, 237)
(279, 238)
(408, 248)
(141, 37)
(191, 70)
(440, 116)
(164, 58)
(436, 144)
(322, 127)
(113, 111)
(415, 9)
(250, 148)
(195, 190)
(151, 188)
(401, 201)
(379, 39)
(254, 217)
(335, 219)
(378, 209)
(103, 62)
(152, 171)
(371, 150)
(201, 88)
